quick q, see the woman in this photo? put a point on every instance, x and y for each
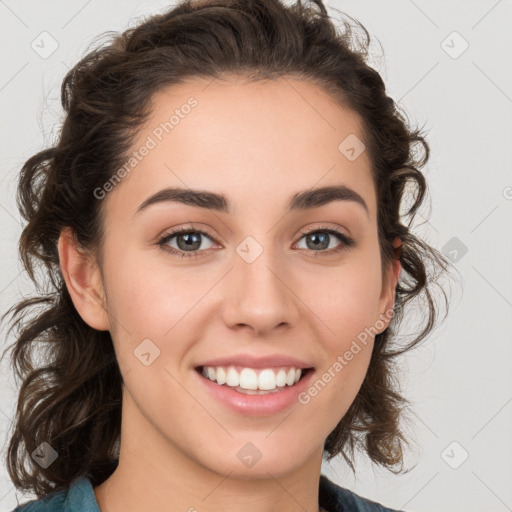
(220, 224)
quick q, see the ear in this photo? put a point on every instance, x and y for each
(387, 298)
(83, 281)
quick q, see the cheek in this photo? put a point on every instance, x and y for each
(335, 387)
(147, 295)
(344, 298)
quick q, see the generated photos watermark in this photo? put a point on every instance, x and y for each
(342, 360)
(151, 142)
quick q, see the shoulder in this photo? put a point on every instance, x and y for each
(53, 502)
(334, 498)
(78, 497)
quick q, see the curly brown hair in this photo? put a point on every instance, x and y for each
(72, 398)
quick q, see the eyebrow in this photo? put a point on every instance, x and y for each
(304, 200)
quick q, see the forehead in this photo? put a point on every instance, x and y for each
(250, 139)
(301, 106)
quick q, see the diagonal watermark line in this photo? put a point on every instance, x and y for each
(492, 81)
(417, 416)
(279, 424)
(309, 104)
(10, 214)
(11, 421)
(3, 3)
(424, 13)
(97, 301)
(484, 218)
(216, 486)
(8, 492)
(405, 504)
(301, 301)
(110, 315)
(487, 281)
(76, 14)
(14, 76)
(10, 282)
(419, 81)
(508, 508)
(192, 396)
(198, 301)
(510, 400)
(208, 84)
(286, 490)
(485, 15)
(8, 417)
(427, 222)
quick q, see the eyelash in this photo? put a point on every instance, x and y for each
(347, 241)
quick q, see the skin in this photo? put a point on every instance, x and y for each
(258, 143)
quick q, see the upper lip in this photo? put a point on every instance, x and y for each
(250, 361)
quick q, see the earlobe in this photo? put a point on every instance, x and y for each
(83, 281)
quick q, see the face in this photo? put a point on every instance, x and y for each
(256, 280)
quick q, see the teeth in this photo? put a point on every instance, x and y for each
(221, 376)
(232, 377)
(281, 378)
(267, 380)
(250, 379)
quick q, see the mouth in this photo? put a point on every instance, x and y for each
(254, 381)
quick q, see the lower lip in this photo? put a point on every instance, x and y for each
(256, 405)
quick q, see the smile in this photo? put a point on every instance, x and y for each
(253, 380)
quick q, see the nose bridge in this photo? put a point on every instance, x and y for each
(258, 267)
(259, 293)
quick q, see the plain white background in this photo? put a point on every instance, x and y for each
(460, 380)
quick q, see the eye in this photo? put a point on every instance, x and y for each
(321, 237)
(189, 241)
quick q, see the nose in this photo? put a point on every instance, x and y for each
(259, 293)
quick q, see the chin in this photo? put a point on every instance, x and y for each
(249, 462)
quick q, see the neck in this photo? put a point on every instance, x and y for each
(155, 473)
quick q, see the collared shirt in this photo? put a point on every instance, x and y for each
(80, 497)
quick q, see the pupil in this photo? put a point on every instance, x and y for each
(317, 242)
(189, 241)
